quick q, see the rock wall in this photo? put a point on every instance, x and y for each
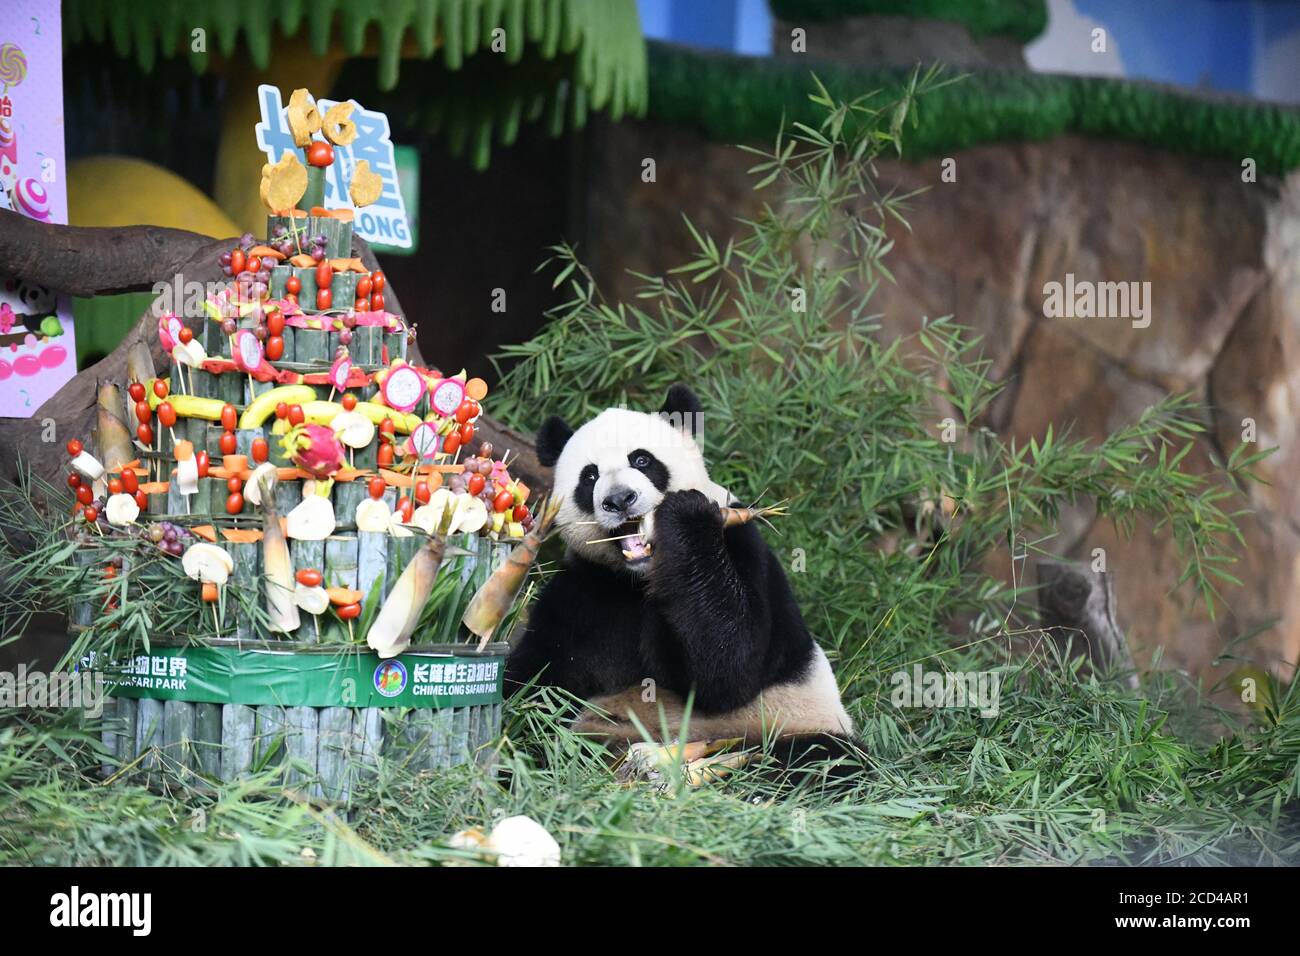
(1223, 261)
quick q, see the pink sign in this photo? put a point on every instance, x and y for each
(38, 351)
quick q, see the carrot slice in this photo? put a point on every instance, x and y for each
(341, 597)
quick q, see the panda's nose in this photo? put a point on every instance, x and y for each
(619, 500)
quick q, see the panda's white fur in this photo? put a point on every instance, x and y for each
(630, 612)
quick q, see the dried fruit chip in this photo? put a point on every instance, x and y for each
(304, 119)
(366, 186)
(283, 184)
(338, 126)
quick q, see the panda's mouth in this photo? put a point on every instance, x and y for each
(635, 540)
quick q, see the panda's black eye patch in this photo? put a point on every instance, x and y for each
(650, 466)
(586, 489)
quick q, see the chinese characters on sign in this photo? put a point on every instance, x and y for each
(384, 221)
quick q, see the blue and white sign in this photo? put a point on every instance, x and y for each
(383, 221)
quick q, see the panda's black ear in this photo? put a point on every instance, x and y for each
(551, 439)
(682, 409)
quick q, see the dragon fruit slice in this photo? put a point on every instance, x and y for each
(314, 448)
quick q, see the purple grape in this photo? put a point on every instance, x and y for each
(246, 239)
(318, 254)
(226, 270)
(225, 259)
(261, 332)
(346, 336)
(229, 326)
(264, 276)
(169, 534)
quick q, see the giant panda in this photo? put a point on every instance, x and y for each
(683, 603)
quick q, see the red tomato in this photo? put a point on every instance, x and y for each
(350, 612)
(281, 410)
(275, 323)
(387, 427)
(228, 443)
(324, 299)
(274, 348)
(476, 483)
(377, 281)
(385, 454)
(115, 486)
(406, 509)
(376, 302)
(144, 433)
(254, 264)
(160, 388)
(521, 512)
(236, 261)
(324, 274)
(136, 391)
(422, 492)
(377, 487)
(235, 504)
(363, 287)
(74, 448)
(464, 411)
(260, 450)
(466, 434)
(74, 480)
(92, 515)
(320, 153)
(229, 417)
(349, 402)
(296, 416)
(309, 577)
(167, 414)
(129, 481)
(503, 500)
(293, 285)
(233, 484)
(362, 304)
(203, 462)
(85, 495)
(450, 443)
(186, 334)
(141, 500)
(142, 411)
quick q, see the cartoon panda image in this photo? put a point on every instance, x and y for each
(676, 599)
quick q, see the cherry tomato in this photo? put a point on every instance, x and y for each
(293, 285)
(254, 264)
(233, 484)
(324, 299)
(129, 481)
(160, 388)
(376, 302)
(296, 415)
(141, 500)
(85, 495)
(236, 261)
(228, 443)
(350, 612)
(115, 486)
(406, 509)
(203, 462)
(142, 412)
(167, 414)
(74, 447)
(74, 480)
(451, 443)
(309, 577)
(186, 334)
(476, 483)
(362, 304)
(385, 454)
(235, 504)
(521, 512)
(229, 417)
(464, 411)
(275, 323)
(92, 515)
(274, 348)
(422, 492)
(349, 401)
(144, 432)
(260, 450)
(466, 434)
(320, 153)
(136, 391)
(377, 487)
(281, 410)
(503, 500)
(387, 427)
(377, 281)
(363, 287)
(324, 274)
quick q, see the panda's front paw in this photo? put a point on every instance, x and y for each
(685, 516)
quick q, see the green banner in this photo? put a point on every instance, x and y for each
(233, 675)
